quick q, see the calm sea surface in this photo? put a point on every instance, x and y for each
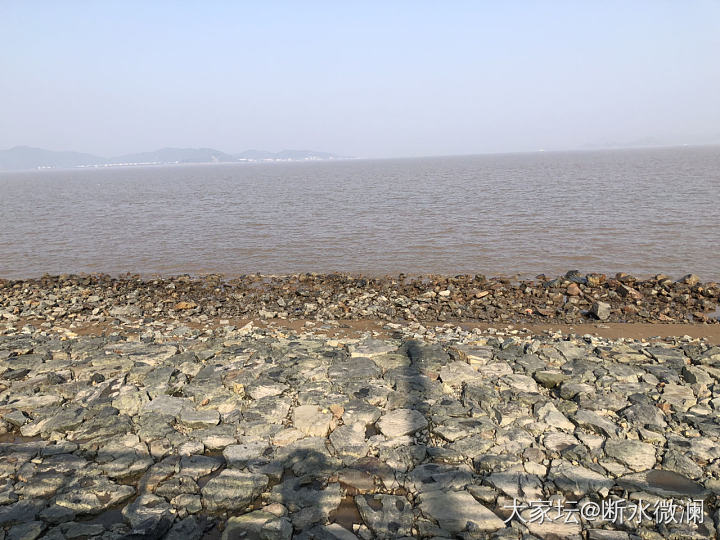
(638, 211)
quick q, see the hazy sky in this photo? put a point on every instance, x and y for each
(358, 78)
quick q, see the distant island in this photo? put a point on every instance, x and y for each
(26, 157)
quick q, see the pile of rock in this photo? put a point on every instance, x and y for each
(571, 298)
(265, 435)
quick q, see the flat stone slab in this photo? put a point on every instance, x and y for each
(311, 420)
(401, 422)
(237, 455)
(169, 405)
(637, 455)
(233, 490)
(662, 483)
(455, 510)
(199, 419)
(372, 347)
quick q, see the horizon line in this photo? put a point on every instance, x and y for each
(338, 157)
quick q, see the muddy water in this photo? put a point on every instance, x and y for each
(638, 211)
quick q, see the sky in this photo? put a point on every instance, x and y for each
(366, 79)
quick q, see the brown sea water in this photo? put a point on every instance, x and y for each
(637, 211)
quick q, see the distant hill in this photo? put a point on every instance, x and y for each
(25, 157)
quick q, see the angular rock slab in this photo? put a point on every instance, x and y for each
(94, 496)
(237, 455)
(258, 524)
(371, 347)
(233, 490)
(577, 479)
(665, 484)
(458, 511)
(312, 421)
(637, 455)
(388, 516)
(149, 515)
(401, 422)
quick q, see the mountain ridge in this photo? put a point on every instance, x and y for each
(27, 157)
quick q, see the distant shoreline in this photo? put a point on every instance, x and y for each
(335, 158)
(24, 158)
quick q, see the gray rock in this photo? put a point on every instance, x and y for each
(302, 493)
(308, 457)
(550, 378)
(312, 421)
(354, 369)
(644, 415)
(149, 515)
(601, 310)
(199, 419)
(388, 516)
(371, 348)
(578, 480)
(198, 466)
(26, 531)
(539, 416)
(124, 457)
(427, 358)
(594, 422)
(681, 398)
(233, 490)
(186, 529)
(168, 405)
(258, 524)
(237, 455)
(438, 476)
(677, 462)
(358, 411)
(20, 512)
(81, 530)
(456, 373)
(333, 531)
(93, 495)
(711, 357)
(696, 375)
(458, 511)
(453, 429)
(56, 514)
(549, 414)
(265, 389)
(665, 484)
(16, 418)
(519, 485)
(401, 422)
(637, 455)
(553, 527)
(349, 442)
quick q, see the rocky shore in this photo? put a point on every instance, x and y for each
(572, 298)
(150, 408)
(428, 432)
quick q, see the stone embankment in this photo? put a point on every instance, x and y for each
(260, 433)
(573, 298)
